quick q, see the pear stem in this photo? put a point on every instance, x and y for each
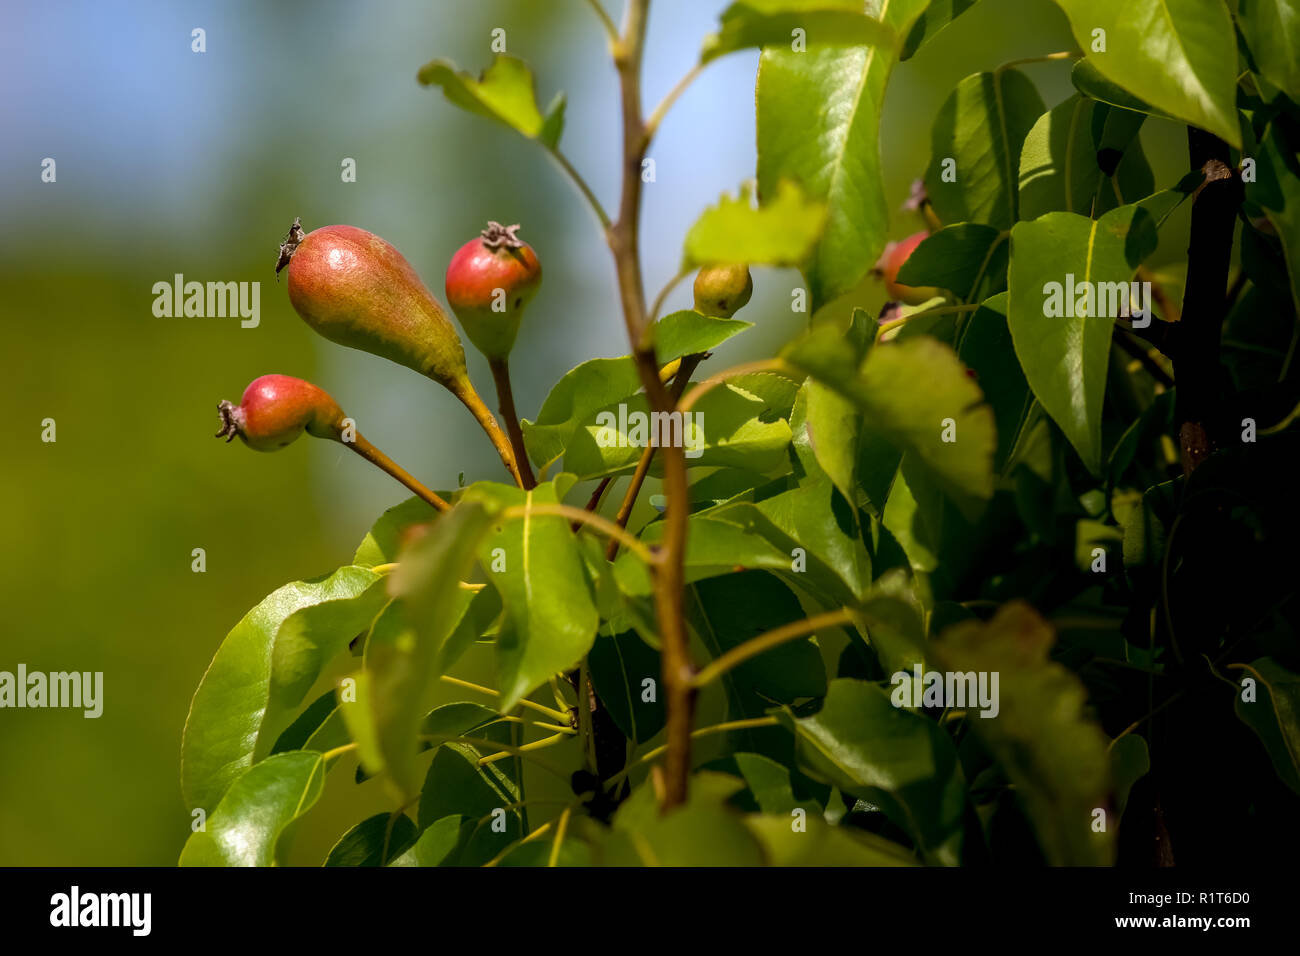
(470, 399)
(506, 402)
(376, 457)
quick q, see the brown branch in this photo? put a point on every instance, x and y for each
(669, 579)
(1196, 363)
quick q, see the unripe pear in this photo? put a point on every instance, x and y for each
(490, 281)
(355, 289)
(895, 254)
(276, 409)
(723, 290)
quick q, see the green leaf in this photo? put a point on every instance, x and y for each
(1090, 81)
(1181, 55)
(255, 811)
(476, 624)
(914, 422)
(937, 16)
(832, 150)
(1272, 32)
(1162, 204)
(890, 756)
(906, 520)
(457, 784)
(263, 669)
(704, 832)
(381, 543)
(504, 92)
(402, 651)
(827, 427)
(986, 348)
(553, 122)
(438, 843)
(769, 786)
(731, 426)
(363, 845)
(1052, 752)
(319, 728)
(1146, 528)
(535, 565)
(732, 609)
(714, 545)
(895, 629)
(822, 523)
(1078, 156)
(1054, 259)
(1058, 164)
(820, 844)
(359, 708)
(830, 566)
(1129, 762)
(1277, 191)
(1274, 715)
(981, 126)
(780, 232)
(618, 665)
(758, 23)
(538, 853)
(959, 258)
(595, 384)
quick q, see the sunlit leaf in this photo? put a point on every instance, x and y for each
(364, 844)
(255, 811)
(598, 383)
(916, 422)
(975, 148)
(534, 564)
(780, 232)
(757, 23)
(819, 124)
(263, 669)
(1180, 55)
(504, 92)
(1055, 260)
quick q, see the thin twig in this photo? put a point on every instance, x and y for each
(576, 178)
(660, 111)
(531, 705)
(560, 827)
(611, 31)
(779, 366)
(1047, 58)
(748, 723)
(663, 294)
(766, 641)
(1140, 351)
(506, 400)
(594, 521)
(381, 461)
(684, 371)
